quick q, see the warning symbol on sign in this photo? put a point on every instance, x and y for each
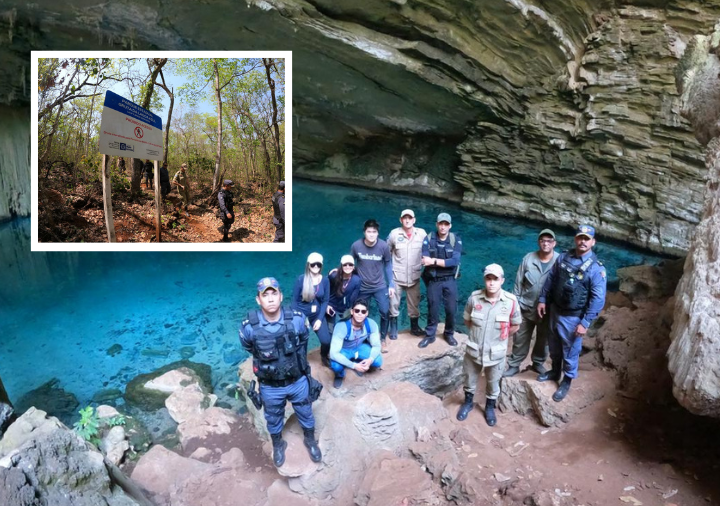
(138, 132)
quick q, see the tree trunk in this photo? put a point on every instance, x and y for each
(268, 63)
(216, 175)
(137, 163)
(87, 136)
(43, 158)
(158, 201)
(167, 126)
(107, 199)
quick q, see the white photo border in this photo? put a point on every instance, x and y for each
(162, 246)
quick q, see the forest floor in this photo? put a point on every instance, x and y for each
(73, 212)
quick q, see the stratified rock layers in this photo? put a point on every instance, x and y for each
(694, 355)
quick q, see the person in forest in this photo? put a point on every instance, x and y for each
(164, 180)
(225, 199)
(310, 296)
(278, 202)
(148, 174)
(121, 164)
(183, 183)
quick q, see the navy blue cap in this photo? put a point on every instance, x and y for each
(266, 283)
(228, 182)
(587, 230)
(281, 185)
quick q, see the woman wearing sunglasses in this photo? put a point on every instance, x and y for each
(344, 289)
(310, 297)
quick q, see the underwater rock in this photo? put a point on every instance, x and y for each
(6, 412)
(187, 352)
(52, 399)
(106, 395)
(136, 394)
(114, 349)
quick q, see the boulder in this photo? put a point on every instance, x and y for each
(44, 462)
(173, 380)
(643, 282)
(150, 399)
(380, 484)
(6, 414)
(524, 394)
(51, 398)
(189, 402)
(212, 423)
(159, 472)
(113, 445)
(694, 354)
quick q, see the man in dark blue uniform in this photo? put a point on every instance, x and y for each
(441, 252)
(225, 199)
(576, 289)
(278, 202)
(277, 339)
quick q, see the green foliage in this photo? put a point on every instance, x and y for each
(116, 420)
(88, 425)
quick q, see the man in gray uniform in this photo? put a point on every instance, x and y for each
(278, 202)
(529, 280)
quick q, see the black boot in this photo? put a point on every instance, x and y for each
(279, 446)
(490, 412)
(562, 390)
(312, 445)
(393, 331)
(553, 374)
(465, 407)
(225, 235)
(415, 327)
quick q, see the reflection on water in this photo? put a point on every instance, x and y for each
(61, 313)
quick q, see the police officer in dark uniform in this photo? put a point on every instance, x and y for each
(164, 180)
(278, 202)
(576, 289)
(277, 339)
(225, 199)
(441, 252)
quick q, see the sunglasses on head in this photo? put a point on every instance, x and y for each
(316, 264)
(360, 311)
(348, 265)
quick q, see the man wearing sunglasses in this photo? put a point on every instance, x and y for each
(530, 278)
(277, 338)
(355, 344)
(575, 289)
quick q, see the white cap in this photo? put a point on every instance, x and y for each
(315, 258)
(347, 259)
(407, 212)
(495, 270)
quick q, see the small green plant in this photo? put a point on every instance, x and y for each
(87, 426)
(116, 420)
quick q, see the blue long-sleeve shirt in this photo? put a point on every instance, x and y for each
(340, 303)
(598, 284)
(322, 296)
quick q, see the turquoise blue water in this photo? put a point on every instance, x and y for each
(61, 312)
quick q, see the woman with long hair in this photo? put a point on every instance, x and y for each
(310, 297)
(344, 290)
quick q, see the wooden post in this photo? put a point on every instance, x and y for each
(107, 199)
(158, 203)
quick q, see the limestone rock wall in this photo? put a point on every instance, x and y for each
(14, 161)
(694, 354)
(553, 111)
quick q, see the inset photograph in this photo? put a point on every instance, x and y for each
(159, 149)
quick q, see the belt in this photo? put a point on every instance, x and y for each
(443, 278)
(279, 383)
(567, 312)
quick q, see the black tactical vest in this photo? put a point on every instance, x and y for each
(442, 253)
(227, 197)
(278, 356)
(571, 289)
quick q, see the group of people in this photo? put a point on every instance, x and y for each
(556, 296)
(180, 180)
(226, 203)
